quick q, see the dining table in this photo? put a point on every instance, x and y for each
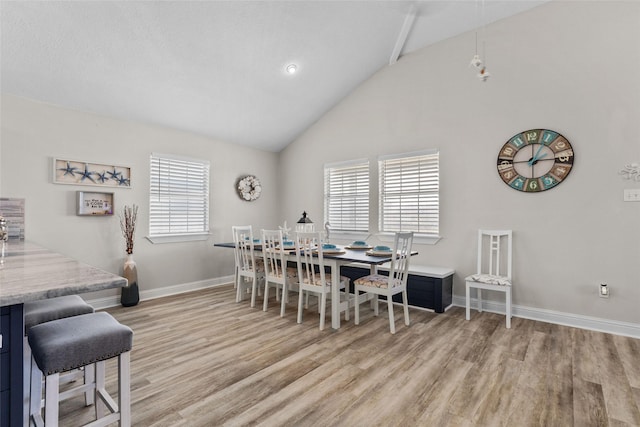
(335, 259)
(30, 272)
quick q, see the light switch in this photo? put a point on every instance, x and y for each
(632, 195)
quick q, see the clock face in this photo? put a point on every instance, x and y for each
(535, 160)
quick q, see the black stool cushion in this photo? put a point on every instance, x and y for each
(36, 312)
(65, 344)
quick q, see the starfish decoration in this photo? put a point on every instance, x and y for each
(86, 174)
(69, 170)
(102, 177)
(114, 174)
(123, 181)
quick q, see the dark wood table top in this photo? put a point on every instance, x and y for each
(349, 255)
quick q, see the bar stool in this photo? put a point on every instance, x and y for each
(36, 312)
(79, 341)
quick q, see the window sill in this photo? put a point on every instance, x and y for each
(421, 239)
(176, 238)
(349, 235)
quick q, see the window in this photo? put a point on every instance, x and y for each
(178, 199)
(409, 193)
(346, 195)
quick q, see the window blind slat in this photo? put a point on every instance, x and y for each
(346, 196)
(178, 196)
(409, 193)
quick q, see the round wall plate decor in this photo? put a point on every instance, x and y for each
(535, 160)
(249, 188)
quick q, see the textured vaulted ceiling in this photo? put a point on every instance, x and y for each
(216, 68)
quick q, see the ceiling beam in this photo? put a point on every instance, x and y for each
(404, 33)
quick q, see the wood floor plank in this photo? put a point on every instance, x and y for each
(616, 389)
(200, 359)
(629, 353)
(589, 408)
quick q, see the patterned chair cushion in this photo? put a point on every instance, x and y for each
(377, 281)
(489, 279)
(259, 266)
(317, 282)
(292, 273)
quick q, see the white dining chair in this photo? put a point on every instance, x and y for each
(311, 274)
(393, 284)
(493, 270)
(277, 274)
(249, 268)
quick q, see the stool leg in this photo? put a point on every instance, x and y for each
(100, 386)
(124, 388)
(90, 378)
(26, 381)
(51, 386)
(36, 389)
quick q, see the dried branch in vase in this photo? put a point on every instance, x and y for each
(128, 225)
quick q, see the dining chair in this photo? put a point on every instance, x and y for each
(277, 274)
(493, 271)
(393, 284)
(311, 273)
(248, 267)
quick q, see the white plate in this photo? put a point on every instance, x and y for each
(332, 251)
(378, 253)
(359, 247)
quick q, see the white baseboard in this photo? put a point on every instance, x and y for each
(100, 303)
(543, 315)
(567, 319)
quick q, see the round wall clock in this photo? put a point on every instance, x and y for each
(535, 160)
(249, 188)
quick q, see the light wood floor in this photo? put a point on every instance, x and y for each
(200, 359)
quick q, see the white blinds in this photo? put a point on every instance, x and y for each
(346, 195)
(409, 193)
(179, 195)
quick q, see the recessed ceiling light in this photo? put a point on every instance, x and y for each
(292, 68)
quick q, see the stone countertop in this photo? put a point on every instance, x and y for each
(30, 272)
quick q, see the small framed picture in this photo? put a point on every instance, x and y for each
(94, 203)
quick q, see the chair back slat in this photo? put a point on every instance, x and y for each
(273, 254)
(492, 258)
(402, 246)
(306, 245)
(244, 248)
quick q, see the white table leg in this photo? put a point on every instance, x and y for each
(335, 293)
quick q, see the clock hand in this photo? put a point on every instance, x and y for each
(535, 156)
(539, 159)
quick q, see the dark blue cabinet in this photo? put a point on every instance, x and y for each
(427, 287)
(12, 330)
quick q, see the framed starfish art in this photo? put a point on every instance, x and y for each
(76, 172)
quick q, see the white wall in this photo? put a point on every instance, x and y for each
(33, 133)
(567, 66)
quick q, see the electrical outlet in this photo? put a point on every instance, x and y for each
(632, 195)
(604, 290)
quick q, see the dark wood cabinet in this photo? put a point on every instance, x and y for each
(427, 287)
(12, 330)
